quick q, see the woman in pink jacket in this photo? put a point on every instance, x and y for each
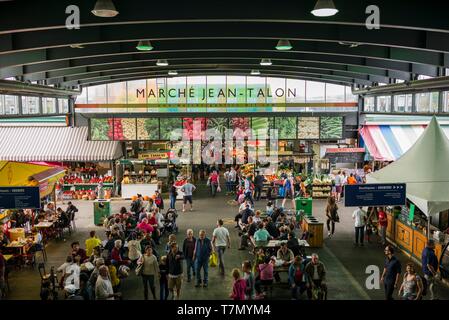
(239, 287)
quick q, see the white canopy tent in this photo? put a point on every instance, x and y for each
(425, 170)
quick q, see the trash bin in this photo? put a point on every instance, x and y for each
(102, 210)
(305, 205)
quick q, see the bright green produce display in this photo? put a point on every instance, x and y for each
(168, 125)
(221, 124)
(331, 128)
(99, 129)
(148, 129)
(286, 127)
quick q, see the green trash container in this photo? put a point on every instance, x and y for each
(304, 204)
(102, 210)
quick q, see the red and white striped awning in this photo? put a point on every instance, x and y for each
(54, 144)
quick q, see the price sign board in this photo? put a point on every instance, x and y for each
(19, 198)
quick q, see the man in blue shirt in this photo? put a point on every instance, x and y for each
(203, 250)
(430, 267)
(391, 273)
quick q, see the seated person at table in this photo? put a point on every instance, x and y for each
(271, 227)
(70, 273)
(4, 241)
(285, 254)
(249, 231)
(276, 213)
(131, 222)
(245, 205)
(91, 243)
(116, 254)
(246, 214)
(109, 245)
(257, 217)
(283, 233)
(145, 227)
(63, 219)
(266, 274)
(270, 208)
(118, 224)
(261, 236)
(281, 220)
(77, 251)
(293, 244)
(50, 211)
(96, 254)
(142, 215)
(297, 278)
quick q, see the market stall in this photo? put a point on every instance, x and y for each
(424, 170)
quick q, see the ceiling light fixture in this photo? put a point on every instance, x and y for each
(76, 46)
(324, 8)
(283, 45)
(162, 63)
(104, 9)
(266, 62)
(255, 72)
(144, 45)
(173, 73)
(349, 44)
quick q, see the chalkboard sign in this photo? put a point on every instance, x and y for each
(345, 155)
(19, 198)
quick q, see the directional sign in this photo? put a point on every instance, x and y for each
(375, 195)
(19, 198)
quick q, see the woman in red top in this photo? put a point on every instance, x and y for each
(214, 181)
(116, 255)
(383, 223)
(239, 286)
(145, 226)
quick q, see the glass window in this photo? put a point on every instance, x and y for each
(2, 104)
(156, 91)
(196, 90)
(63, 105)
(427, 102)
(255, 90)
(236, 89)
(423, 77)
(30, 105)
(369, 104)
(117, 94)
(315, 91)
(296, 90)
(349, 97)
(335, 93)
(97, 94)
(277, 91)
(384, 104)
(403, 103)
(399, 81)
(176, 90)
(48, 105)
(11, 104)
(82, 98)
(445, 101)
(218, 84)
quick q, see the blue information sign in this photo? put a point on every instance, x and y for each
(19, 198)
(375, 195)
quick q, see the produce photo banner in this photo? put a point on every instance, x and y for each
(154, 129)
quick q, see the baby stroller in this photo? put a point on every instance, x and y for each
(169, 220)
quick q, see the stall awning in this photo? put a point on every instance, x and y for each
(54, 144)
(390, 142)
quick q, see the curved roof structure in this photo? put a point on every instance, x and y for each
(223, 37)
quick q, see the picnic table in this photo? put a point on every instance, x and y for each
(277, 243)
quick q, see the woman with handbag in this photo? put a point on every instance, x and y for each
(331, 215)
(148, 269)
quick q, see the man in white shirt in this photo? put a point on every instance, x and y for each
(103, 286)
(233, 179)
(220, 240)
(71, 272)
(359, 217)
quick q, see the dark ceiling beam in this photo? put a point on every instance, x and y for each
(179, 64)
(399, 13)
(61, 56)
(130, 78)
(354, 64)
(119, 75)
(388, 37)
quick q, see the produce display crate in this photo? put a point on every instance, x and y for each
(86, 186)
(321, 190)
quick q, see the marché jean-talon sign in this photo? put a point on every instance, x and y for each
(204, 93)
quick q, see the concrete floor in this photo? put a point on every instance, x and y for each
(345, 263)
